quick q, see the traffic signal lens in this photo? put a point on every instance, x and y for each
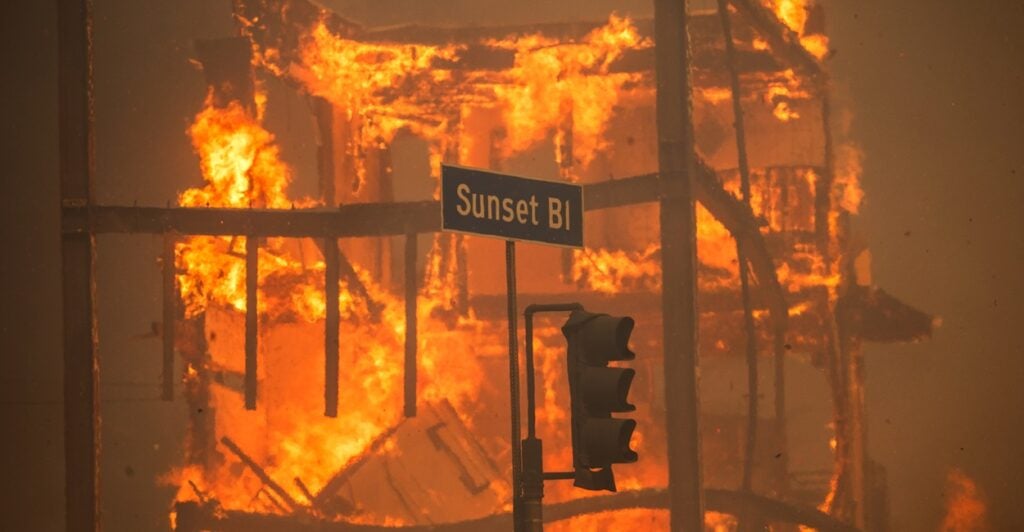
(606, 338)
(605, 389)
(606, 442)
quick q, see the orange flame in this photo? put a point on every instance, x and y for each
(553, 84)
(793, 13)
(241, 167)
(965, 505)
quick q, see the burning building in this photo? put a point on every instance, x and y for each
(344, 360)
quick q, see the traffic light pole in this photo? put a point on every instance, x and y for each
(533, 475)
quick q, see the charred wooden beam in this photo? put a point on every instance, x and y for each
(781, 39)
(190, 341)
(251, 318)
(823, 185)
(324, 113)
(744, 268)
(411, 322)
(621, 192)
(170, 316)
(331, 324)
(358, 219)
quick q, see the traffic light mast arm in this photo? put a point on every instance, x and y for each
(533, 476)
(531, 400)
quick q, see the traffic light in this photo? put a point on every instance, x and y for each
(596, 392)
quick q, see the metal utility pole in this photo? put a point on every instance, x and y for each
(678, 248)
(81, 477)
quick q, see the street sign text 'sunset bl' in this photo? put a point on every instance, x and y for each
(510, 207)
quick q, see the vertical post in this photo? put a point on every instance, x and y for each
(411, 321)
(513, 377)
(81, 481)
(744, 271)
(331, 324)
(200, 448)
(170, 303)
(823, 185)
(251, 318)
(678, 245)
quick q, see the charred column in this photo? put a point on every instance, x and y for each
(411, 291)
(325, 150)
(678, 246)
(331, 324)
(170, 311)
(251, 318)
(81, 480)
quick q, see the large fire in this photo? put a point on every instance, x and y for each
(565, 90)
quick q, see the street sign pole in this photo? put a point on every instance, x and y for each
(513, 379)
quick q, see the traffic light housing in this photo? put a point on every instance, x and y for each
(596, 392)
